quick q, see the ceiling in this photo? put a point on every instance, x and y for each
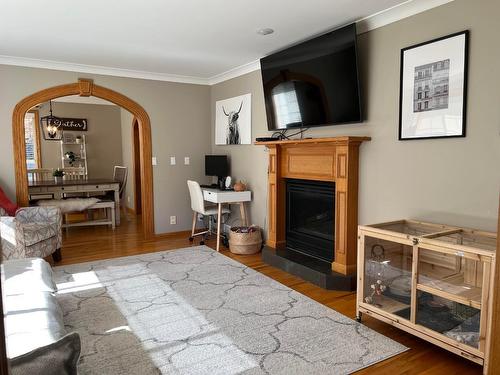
(200, 39)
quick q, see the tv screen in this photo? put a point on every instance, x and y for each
(314, 83)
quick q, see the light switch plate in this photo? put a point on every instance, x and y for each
(186, 160)
(172, 160)
(154, 161)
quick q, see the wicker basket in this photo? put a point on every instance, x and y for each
(245, 243)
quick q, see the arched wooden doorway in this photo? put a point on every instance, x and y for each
(86, 87)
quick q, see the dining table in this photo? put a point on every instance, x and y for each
(59, 188)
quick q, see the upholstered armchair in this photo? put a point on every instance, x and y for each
(33, 232)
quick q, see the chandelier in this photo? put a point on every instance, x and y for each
(51, 126)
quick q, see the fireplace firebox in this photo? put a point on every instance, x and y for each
(310, 218)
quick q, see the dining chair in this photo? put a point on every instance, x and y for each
(40, 174)
(120, 174)
(74, 173)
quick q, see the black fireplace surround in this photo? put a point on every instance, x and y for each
(310, 218)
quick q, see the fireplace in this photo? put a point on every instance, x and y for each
(313, 209)
(310, 218)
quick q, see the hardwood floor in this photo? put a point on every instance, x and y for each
(95, 243)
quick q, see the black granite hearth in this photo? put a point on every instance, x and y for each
(310, 269)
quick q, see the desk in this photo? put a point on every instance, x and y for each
(57, 189)
(227, 196)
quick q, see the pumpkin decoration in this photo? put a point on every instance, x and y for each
(239, 186)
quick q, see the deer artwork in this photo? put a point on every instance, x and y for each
(233, 131)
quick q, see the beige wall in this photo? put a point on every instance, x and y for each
(454, 181)
(103, 138)
(180, 120)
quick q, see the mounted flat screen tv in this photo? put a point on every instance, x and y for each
(314, 83)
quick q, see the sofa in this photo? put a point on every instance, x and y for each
(32, 232)
(37, 341)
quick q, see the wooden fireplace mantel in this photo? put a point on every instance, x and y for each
(332, 159)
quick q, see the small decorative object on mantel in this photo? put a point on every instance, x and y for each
(78, 139)
(58, 175)
(233, 121)
(433, 88)
(239, 186)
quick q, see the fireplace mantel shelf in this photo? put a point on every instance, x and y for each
(333, 159)
(346, 139)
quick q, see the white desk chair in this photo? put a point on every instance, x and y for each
(198, 207)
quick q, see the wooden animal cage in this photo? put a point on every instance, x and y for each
(431, 280)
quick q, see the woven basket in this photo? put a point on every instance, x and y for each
(245, 243)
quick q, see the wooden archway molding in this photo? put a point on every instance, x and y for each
(86, 87)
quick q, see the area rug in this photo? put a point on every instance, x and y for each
(195, 311)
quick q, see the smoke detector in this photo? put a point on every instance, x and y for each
(265, 31)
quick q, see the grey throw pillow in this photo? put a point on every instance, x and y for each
(60, 357)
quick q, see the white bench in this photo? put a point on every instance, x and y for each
(110, 219)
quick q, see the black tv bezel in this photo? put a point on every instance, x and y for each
(360, 103)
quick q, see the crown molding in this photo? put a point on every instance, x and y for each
(235, 72)
(396, 13)
(102, 70)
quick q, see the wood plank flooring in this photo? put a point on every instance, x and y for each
(96, 243)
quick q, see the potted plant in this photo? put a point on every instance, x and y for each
(58, 175)
(70, 155)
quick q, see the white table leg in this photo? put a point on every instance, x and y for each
(219, 216)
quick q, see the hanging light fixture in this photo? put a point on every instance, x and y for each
(51, 126)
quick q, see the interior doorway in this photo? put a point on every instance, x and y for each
(86, 88)
(137, 167)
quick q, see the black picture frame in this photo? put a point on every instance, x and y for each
(466, 34)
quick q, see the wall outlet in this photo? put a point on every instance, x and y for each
(128, 198)
(172, 160)
(173, 220)
(154, 161)
(186, 160)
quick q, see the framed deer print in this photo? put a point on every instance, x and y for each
(433, 88)
(233, 121)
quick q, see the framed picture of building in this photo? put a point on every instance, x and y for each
(433, 88)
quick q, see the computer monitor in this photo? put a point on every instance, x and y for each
(216, 165)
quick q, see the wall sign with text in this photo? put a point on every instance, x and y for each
(75, 124)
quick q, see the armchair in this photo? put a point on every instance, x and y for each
(33, 232)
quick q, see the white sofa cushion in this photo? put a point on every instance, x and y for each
(32, 320)
(27, 276)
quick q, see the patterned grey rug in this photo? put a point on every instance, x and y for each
(195, 311)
